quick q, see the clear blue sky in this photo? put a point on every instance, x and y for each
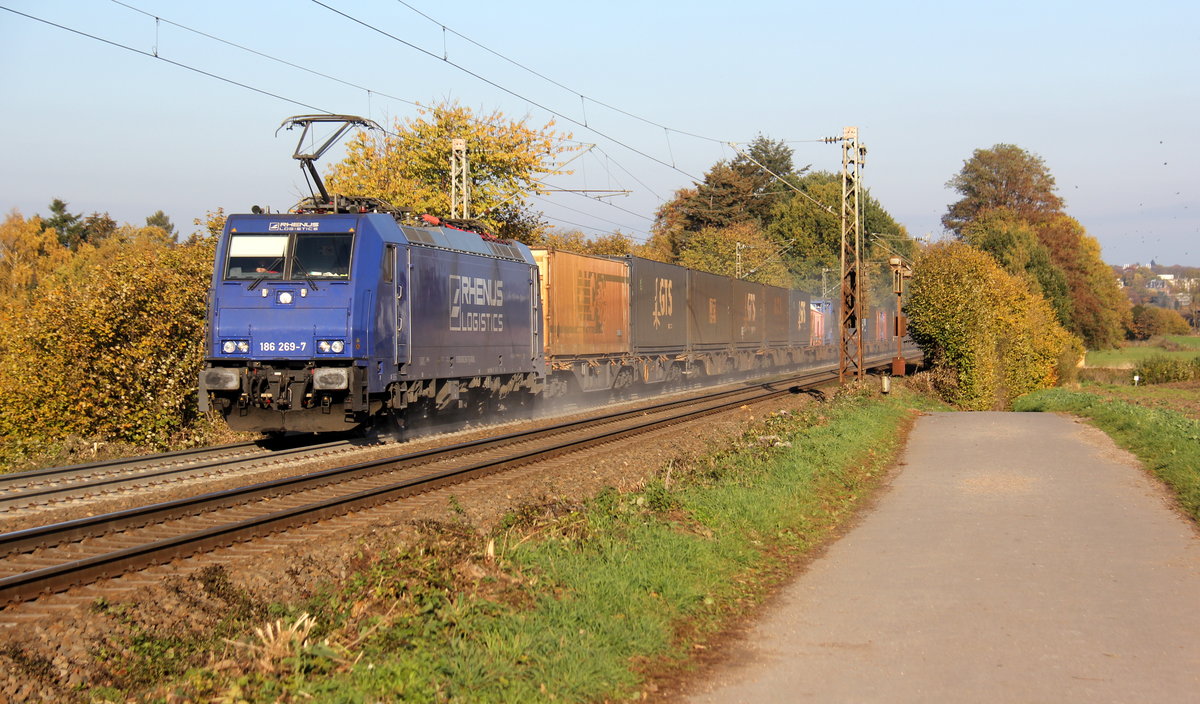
(1105, 92)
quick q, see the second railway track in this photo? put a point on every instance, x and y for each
(62, 556)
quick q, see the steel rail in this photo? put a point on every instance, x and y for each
(31, 584)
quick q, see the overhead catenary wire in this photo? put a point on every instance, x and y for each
(498, 86)
(368, 91)
(155, 55)
(645, 235)
(584, 99)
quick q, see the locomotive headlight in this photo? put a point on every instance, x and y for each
(337, 346)
(243, 346)
(328, 346)
(229, 347)
(285, 297)
(323, 346)
(232, 346)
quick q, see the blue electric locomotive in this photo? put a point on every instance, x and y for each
(344, 309)
(318, 321)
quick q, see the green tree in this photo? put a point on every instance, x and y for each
(161, 220)
(1004, 176)
(1015, 244)
(67, 225)
(74, 230)
(409, 166)
(807, 228)
(744, 189)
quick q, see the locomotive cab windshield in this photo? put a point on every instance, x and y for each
(297, 256)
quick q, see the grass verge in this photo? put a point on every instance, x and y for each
(570, 601)
(1166, 441)
(1182, 347)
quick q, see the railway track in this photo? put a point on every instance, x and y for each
(24, 493)
(65, 555)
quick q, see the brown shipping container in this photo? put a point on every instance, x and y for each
(799, 333)
(659, 324)
(749, 314)
(709, 320)
(585, 303)
(778, 309)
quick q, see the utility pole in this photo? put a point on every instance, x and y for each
(460, 180)
(850, 352)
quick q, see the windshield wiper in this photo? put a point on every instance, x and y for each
(303, 272)
(269, 270)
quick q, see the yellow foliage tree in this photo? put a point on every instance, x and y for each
(409, 166)
(616, 243)
(28, 250)
(995, 337)
(719, 249)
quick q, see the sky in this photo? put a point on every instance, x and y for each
(149, 115)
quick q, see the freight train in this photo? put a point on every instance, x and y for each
(346, 310)
(326, 321)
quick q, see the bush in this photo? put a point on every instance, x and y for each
(110, 344)
(997, 339)
(1161, 369)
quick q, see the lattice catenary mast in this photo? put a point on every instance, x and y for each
(460, 180)
(850, 354)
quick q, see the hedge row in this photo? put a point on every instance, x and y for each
(995, 337)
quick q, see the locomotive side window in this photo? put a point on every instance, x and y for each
(320, 255)
(256, 256)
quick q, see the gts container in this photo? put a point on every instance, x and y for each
(658, 309)
(710, 320)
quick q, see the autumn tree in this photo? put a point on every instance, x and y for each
(117, 334)
(29, 249)
(1016, 246)
(1099, 309)
(409, 166)
(1148, 321)
(1004, 176)
(611, 244)
(737, 249)
(991, 348)
(1007, 193)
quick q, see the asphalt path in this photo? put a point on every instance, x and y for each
(1016, 557)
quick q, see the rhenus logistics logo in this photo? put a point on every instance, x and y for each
(476, 304)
